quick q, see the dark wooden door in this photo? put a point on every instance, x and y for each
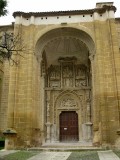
(69, 126)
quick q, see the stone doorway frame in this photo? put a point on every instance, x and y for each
(60, 110)
(77, 122)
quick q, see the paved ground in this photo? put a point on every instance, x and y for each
(103, 155)
(51, 156)
(107, 155)
(4, 152)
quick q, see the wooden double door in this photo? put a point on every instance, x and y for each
(68, 126)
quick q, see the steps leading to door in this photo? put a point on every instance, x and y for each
(66, 147)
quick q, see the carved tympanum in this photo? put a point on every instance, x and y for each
(68, 102)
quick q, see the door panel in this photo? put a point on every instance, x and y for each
(68, 126)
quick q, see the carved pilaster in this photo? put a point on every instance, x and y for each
(94, 103)
(48, 111)
(48, 139)
(88, 116)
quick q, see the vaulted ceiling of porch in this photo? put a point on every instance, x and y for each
(65, 42)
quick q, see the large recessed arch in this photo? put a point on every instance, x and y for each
(55, 35)
(64, 55)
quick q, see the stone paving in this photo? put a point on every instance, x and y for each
(107, 155)
(103, 155)
(51, 156)
(6, 152)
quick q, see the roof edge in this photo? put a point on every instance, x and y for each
(63, 13)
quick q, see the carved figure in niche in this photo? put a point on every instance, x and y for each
(68, 82)
(68, 102)
(54, 72)
(43, 68)
(68, 70)
(80, 72)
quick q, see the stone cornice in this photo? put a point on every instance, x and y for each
(64, 13)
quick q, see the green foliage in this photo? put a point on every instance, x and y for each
(117, 152)
(3, 10)
(84, 155)
(2, 139)
(21, 155)
(2, 143)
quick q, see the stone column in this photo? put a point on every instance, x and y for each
(48, 111)
(93, 102)
(89, 123)
(42, 115)
(88, 116)
(48, 125)
(95, 108)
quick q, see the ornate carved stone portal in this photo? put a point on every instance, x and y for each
(68, 90)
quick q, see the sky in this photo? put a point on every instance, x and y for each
(51, 5)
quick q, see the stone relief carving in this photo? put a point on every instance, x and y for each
(43, 64)
(68, 102)
(54, 83)
(81, 83)
(48, 109)
(43, 69)
(80, 72)
(67, 82)
(68, 70)
(67, 74)
(88, 105)
(81, 78)
(54, 72)
(54, 76)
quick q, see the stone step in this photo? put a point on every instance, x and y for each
(66, 149)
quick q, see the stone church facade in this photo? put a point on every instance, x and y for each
(66, 85)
